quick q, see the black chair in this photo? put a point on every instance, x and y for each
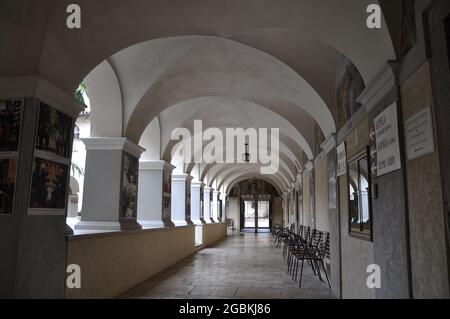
(309, 253)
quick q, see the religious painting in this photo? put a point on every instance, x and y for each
(49, 186)
(408, 26)
(10, 120)
(332, 186)
(167, 190)
(8, 172)
(129, 186)
(349, 86)
(253, 187)
(54, 132)
(202, 208)
(188, 200)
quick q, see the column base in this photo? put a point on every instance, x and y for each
(197, 222)
(152, 223)
(180, 222)
(107, 226)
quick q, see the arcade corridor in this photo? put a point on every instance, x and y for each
(245, 266)
(134, 133)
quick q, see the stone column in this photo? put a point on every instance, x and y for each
(196, 202)
(35, 152)
(181, 201)
(110, 185)
(215, 206)
(223, 197)
(207, 197)
(151, 195)
(285, 208)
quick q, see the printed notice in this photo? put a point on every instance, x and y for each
(388, 149)
(419, 134)
(341, 160)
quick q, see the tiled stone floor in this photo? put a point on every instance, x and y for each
(245, 265)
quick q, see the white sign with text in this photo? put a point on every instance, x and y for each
(388, 148)
(419, 134)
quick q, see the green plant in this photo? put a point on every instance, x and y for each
(82, 89)
(76, 169)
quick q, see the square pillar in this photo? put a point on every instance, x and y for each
(37, 129)
(207, 199)
(153, 194)
(215, 206)
(110, 185)
(197, 202)
(181, 199)
(223, 201)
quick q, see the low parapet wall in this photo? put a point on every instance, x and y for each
(213, 233)
(112, 263)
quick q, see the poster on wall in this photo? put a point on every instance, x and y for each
(341, 160)
(54, 132)
(386, 136)
(48, 187)
(8, 173)
(129, 186)
(350, 85)
(10, 122)
(10, 125)
(188, 200)
(202, 207)
(167, 185)
(51, 164)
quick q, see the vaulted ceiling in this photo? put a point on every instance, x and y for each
(155, 65)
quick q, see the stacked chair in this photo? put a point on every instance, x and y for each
(303, 244)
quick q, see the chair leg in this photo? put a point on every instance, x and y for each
(312, 266)
(294, 273)
(326, 275)
(318, 270)
(301, 274)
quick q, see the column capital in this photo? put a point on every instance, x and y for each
(112, 144)
(308, 167)
(155, 165)
(197, 184)
(209, 189)
(181, 177)
(329, 143)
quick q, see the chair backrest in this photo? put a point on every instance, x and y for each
(293, 228)
(324, 249)
(307, 234)
(316, 241)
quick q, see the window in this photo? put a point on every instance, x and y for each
(360, 206)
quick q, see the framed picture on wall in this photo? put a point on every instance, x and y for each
(54, 131)
(188, 200)
(48, 187)
(167, 190)
(51, 164)
(10, 124)
(130, 168)
(8, 174)
(10, 129)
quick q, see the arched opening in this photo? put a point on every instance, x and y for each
(254, 205)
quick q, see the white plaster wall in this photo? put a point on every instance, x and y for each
(234, 212)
